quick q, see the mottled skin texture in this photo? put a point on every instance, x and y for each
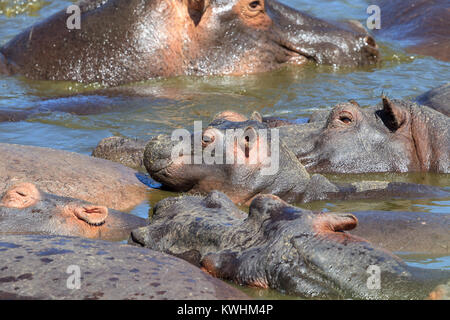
(26, 210)
(437, 99)
(281, 247)
(422, 24)
(122, 150)
(242, 181)
(36, 267)
(395, 136)
(72, 175)
(168, 38)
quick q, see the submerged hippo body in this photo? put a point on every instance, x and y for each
(148, 39)
(26, 210)
(245, 179)
(421, 25)
(280, 246)
(45, 267)
(437, 99)
(71, 175)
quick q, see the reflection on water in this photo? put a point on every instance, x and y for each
(166, 104)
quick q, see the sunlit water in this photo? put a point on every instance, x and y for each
(291, 93)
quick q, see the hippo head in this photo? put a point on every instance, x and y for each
(245, 36)
(356, 140)
(237, 156)
(25, 209)
(276, 246)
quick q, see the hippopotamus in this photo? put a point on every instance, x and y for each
(394, 136)
(73, 175)
(282, 247)
(437, 99)
(148, 39)
(69, 268)
(419, 25)
(24, 209)
(242, 180)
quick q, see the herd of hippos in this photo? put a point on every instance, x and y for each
(59, 209)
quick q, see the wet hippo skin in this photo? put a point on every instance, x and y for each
(72, 175)
(422, 24)
(282, 247)
(36, 267)
(437, 98)
(159, 38)
(26, 210)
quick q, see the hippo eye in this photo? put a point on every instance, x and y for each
(345, 119)
(255, 5)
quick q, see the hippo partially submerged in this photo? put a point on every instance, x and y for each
(55, 267)
(147, 39)
(26, 210)
(394, 136)
(245, 177)
(282, 247)
(71, 175)
(419, 25)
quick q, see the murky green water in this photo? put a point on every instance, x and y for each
(291, 93)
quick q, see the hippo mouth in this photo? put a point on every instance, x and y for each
(295, 55)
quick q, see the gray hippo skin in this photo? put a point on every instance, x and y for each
(282, 247)
(394, 136)
(158, 38)
(44, 267)
(72, 175)
(437, 98)
(26, 210)
(244, 180)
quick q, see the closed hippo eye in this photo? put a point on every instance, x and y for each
(21, 196)
(93, 215)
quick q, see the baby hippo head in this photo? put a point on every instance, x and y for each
(25, 209)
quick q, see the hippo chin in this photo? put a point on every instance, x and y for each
(280, 246)
(26, 210)
(149, 39)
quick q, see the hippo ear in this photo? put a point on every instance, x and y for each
(256, 116)
(21, 196)
(394, 116)
(334, 222)
(196, 8)
(91, 214)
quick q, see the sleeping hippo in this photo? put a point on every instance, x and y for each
(148, 39)
(282, 247)
(71, 175)
(24, 209)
